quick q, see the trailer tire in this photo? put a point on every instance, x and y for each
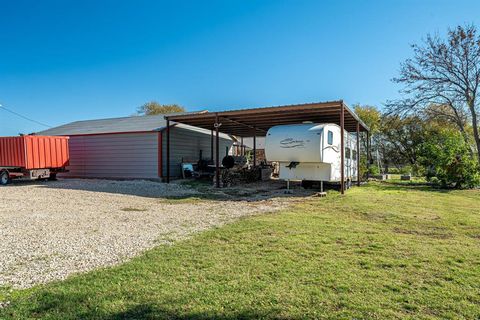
(53, 177)
(4, 178)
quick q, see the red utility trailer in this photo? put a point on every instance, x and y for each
(32, 157)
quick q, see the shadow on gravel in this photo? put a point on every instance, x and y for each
(191, 190)
(177, 190)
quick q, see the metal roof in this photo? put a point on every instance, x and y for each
(248, 121)
(112, 125)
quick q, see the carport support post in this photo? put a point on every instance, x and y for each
(211, 145)
(358, 154)
(217, 157)
(368, 155)
(168, 151)
(342, 149)
(241, 146)
(254, 146)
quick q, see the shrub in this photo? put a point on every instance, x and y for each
(448, 160)
(402, 170)
(406, 170)
(374, 170)
(393, 170)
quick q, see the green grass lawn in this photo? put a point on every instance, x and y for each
(382, 251)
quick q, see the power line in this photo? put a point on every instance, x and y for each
(23, 117)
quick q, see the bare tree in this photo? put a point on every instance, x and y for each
(444, 72)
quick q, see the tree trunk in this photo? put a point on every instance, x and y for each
(476, 135)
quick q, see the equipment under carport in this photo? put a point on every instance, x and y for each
(235, 170)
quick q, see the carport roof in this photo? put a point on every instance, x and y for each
(245, 122)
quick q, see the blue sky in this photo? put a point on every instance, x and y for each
(62, 61)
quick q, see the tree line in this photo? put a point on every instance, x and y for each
(433, 130)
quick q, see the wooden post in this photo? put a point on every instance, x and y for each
(217, 156)
(254, 147)
(358, 154)
(342, 150)
(168, 151)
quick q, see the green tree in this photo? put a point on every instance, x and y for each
(371, 116)
(447, 159)
(152, 108)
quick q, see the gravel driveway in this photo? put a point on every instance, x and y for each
(53, 229)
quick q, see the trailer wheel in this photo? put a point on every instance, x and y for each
(4, 178)
(53, 177)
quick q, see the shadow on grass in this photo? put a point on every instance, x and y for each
(152, 312)
(417, 186)
(54, 305)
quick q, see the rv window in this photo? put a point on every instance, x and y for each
(347, 153)
(330, 137)
(354, 154)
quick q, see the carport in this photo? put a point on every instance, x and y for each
(256, 122)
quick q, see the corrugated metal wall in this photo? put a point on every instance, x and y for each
(129, 155)
(135, 155)
(34, 152)
(186, 144)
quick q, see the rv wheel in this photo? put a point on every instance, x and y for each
(4, 178)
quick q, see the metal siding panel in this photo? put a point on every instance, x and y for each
(41, 153)
(66, 152)
(34, 154)
(48, 152)
(12, 152)
(129, 155)
(77, 162)
(2, 152)
(45, 152)
(160, 155)
(29, 152)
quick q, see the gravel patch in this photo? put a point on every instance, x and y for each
(53, 229)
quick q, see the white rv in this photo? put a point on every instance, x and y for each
(311, 152)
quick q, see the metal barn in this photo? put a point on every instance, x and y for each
(133, 147)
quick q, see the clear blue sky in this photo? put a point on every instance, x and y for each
(62, 61)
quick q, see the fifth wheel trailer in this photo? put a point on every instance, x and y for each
(311, 152)
(32, 157)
